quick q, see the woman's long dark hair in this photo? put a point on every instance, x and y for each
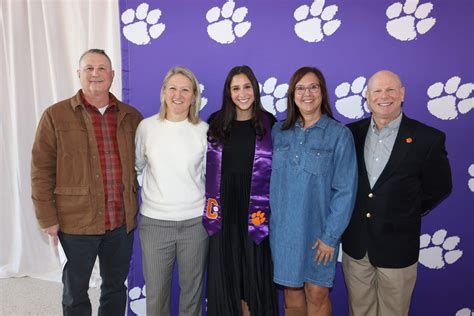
(292, 111)
(220, 122)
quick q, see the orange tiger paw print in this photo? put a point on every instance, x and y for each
(258, 218)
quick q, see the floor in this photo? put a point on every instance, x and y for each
(27, 296)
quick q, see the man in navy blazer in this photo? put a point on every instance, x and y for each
(403, 173)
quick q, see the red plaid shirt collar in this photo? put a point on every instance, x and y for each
(88, 106)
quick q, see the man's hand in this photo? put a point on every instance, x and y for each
(52, 231)
(324, 252)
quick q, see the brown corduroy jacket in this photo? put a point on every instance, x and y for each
(66, 178)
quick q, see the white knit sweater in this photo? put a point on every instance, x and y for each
(171, 157)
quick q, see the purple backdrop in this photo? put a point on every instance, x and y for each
(430, 44)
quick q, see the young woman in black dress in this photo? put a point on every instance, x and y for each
(240, 269)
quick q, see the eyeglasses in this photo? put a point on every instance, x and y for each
(314, 88)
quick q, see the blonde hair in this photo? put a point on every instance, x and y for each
(193, 115)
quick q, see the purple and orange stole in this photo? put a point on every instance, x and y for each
(259, 206)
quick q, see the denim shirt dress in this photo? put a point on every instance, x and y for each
(312, 193)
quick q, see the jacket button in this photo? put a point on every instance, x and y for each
(371, 195)
(368, 215)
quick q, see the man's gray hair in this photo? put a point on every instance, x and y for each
(95, 51)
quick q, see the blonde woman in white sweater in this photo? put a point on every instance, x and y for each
(170, 156)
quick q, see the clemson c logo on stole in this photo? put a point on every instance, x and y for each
(212, 208)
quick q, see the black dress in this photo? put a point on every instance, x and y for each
(239, 269)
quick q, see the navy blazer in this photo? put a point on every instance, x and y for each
(386, 220)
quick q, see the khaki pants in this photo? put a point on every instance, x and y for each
(374, 291)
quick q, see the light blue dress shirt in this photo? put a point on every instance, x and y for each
(378, 147)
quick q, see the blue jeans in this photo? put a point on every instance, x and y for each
(114, 249)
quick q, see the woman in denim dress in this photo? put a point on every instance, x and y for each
(312, 192)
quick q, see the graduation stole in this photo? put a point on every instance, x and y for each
(259, 206)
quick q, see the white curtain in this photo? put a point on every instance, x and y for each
(41, 42)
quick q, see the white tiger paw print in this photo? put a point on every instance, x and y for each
(319, 23)
(416, 21)
(445, 107)
(438, 250)
(270, 92)
(137, 299)
(465, 312)
(147, 27)
(203, 99)
(224, 31)
(471, 180)
(352, 105)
